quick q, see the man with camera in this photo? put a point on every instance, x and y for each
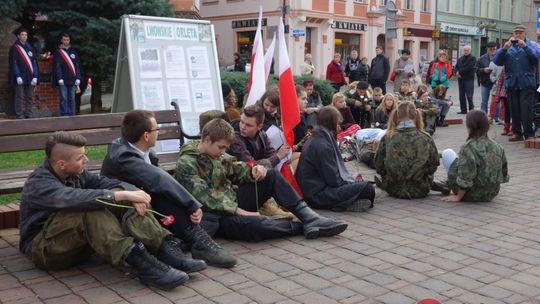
(519, 56)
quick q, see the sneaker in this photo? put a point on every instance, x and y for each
(360, 205)
(378, 182)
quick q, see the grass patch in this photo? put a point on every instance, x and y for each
(28, 159)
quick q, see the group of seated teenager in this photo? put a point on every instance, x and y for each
(68, 213)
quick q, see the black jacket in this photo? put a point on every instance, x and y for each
(483, 77)
(125, 163)
(380, 68)
(45, 193)
(318, 174)
(356, 71)
(466, 66)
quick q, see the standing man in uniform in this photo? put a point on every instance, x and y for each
(465, 68)
(23, 73)
(67, 74)
(520, 58)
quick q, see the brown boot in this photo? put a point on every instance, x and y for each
(271, 208)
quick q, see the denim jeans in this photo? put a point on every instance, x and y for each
(67, 100)
(23, 101)
(485, 97)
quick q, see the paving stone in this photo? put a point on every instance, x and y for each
(473, 298)
(460, 281)
(518, 287)
(15, 293)
(338, 292)
(493, 292)
(100, 295)
(311, 281)
(49, 289)
(208, 288)
(395, 298)
(231, 279)
(232, 298)
(261, 294)
(380, 279)
(67, 299)
(286, 287)
(366, 288)
(313, 297)
(436, 285)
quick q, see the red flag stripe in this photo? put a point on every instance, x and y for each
(290, 113)
(26, 59)
(68, 62)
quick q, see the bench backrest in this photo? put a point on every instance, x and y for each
(98, 129)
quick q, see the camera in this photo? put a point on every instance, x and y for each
(514, 42)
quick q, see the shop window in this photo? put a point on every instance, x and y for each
(244, 41)
(407, 4)
(425, 5)
(307, 44)
(345, 43)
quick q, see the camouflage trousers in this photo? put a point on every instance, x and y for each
(70, 237)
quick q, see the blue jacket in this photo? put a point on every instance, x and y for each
(17, 65)
(61, 69)
(519, 65)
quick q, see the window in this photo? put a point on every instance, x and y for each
(407, 4)
(358, 1)
(425, 5)
(383, 2)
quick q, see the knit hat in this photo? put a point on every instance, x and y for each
(225, 89)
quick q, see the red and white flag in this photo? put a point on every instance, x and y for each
(257, 83)
(268, 57)
(288, 102)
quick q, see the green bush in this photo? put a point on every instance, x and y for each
(239, 82)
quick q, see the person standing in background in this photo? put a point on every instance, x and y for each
(67, 74)
(379, 70)
(483, 71)
(465, 69)
(23, 73)
(307, 68)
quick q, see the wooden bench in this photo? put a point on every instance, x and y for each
(98, 129)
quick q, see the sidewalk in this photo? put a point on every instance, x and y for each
(399, 252)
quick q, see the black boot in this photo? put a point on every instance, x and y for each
(151, 271)
(316, 225)
(203, 247)
(441, 186)
(171, 254)
(441, 122)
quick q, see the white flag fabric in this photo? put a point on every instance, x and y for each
(268, 57)
(257, 83)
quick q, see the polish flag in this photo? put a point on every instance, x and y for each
(288, 102)
(257, 83)
(268, 57)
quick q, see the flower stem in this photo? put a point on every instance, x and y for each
(127, 207)
(256, 196)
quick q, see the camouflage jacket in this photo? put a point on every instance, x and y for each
(401, 97)
(430, 109)
(209, 180)
(407, 162)
(480, 170)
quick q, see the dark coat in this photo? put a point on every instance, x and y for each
(483, 77)
(125, 163)
(239, 65)
(18, 66)
(519, 65)
(466, 66)
(318, 174)
(45, 193)
(380, 68)
(61, 69)
(259, 148)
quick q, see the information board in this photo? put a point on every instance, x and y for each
(161, 60)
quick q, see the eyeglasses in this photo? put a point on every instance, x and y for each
(156, 129)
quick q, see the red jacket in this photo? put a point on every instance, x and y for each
(334, 73)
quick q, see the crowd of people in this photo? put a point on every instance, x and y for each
(223, 181)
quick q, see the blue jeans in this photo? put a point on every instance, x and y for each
(23, 96)
(485, 97)
(67, 100)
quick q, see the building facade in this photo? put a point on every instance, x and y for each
(322, 28)
(473, 22)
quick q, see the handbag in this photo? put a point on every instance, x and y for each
(392, 76)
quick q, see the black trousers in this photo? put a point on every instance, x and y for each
(507, 110)
(522, 107)
(257, 228)
(466, 92)
(381, 83)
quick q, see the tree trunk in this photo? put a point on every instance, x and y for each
(95, 99)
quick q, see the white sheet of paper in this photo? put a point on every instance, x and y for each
(538, 90)
(198, 62)
(190, 126)
(175, 62)
(152, 95)
(178, 90)
(150, 64)
(203, 95)
(283, 161)
(170, 145)
(276, 137)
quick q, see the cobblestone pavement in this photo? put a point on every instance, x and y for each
(399, 252)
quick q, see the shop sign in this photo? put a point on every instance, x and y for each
(247, 23)
(340, 25)
(462, 29)
(298, 32)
